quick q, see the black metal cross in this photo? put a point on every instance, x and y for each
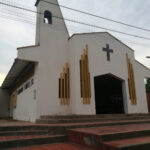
(108, 50)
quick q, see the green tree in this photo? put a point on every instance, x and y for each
(148, 85)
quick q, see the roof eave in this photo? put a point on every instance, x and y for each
(12, 75)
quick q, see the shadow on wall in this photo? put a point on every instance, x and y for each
(4, 98)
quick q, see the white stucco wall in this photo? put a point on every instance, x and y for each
(99, 66)
(26, 108)
(140, 72)
(26, 104)
(4, 98)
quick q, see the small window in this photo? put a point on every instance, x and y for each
(20, 91)
(27, 85)
(47, 17)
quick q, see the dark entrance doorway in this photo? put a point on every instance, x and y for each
(108, 95)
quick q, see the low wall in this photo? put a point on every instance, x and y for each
(4, 98)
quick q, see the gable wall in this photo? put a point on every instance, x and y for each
(99, 66)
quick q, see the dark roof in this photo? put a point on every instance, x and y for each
(37, 1)
(16, 69)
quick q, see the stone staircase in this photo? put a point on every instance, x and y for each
(77, 132)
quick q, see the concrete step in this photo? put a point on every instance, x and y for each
(21, 127)
(102, 137)
(125, 135)
(26, 132)
(93, 116)
(31, 130)
(62, 128)
(142, 143)
(58, 146)
(7, 142)
(74, 120)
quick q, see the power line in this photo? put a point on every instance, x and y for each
(14, 13)
(15, 3)
(78, 22)
(93, 15)
(21, 18)
(135, 43)
(122, 39)
(83, 12)
(16, 19)
(70, 26)
(99, 27)
(75, 29)
(18, 7)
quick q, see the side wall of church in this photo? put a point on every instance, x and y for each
(99, 65)
(140, 72)
(4, 98)
(26, 100)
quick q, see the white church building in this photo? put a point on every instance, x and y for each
(88, 73)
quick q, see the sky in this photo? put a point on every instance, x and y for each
(17, 27)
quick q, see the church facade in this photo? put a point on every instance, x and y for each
(89, 73)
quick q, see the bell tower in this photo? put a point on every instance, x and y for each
(52, 38)
(49, 19)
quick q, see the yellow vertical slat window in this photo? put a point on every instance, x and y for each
(131, 81)
(85, 77)
(64, 86)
